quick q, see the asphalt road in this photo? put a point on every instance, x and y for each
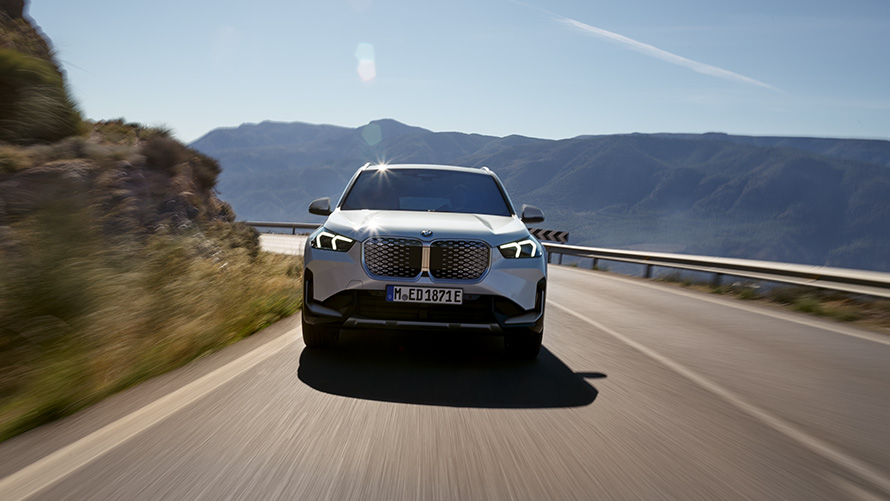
(642, 391)
(283, 244)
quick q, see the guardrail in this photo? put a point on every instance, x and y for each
(293, 226)
(871, 283)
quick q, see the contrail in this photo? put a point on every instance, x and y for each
(664, 55)
(649, 50)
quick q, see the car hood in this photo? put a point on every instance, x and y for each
(361, 224)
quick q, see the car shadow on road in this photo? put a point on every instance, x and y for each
(446, 370)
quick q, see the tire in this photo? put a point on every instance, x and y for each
(523, 344)
(317, 336)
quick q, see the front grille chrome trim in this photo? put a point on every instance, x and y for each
(452, 260)
(462, 260)
(393, 257)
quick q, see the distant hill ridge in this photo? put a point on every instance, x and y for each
(805, 200)
(867, 150)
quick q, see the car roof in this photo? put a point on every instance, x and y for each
(477, 170)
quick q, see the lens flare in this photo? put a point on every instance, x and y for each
(372, 134)
(367, 69)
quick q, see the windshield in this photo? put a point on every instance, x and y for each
(426, 190)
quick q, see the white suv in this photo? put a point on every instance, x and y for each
(425, 247)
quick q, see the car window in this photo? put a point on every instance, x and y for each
(426, 190)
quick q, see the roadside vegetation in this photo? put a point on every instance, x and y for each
(864, 311)
(119, 263)
(35, 104)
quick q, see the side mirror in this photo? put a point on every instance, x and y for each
(320, 207)
(531, 214)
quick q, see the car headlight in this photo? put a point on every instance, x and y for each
(328, 240)
(520, 248)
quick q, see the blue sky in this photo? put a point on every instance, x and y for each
(554, 69)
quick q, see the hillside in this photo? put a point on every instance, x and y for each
(119, 260)
(804, 200)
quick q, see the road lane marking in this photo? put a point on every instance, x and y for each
(41, 474)
(820, 447)
(868, 336)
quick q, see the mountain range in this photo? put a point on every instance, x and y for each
(804, 200)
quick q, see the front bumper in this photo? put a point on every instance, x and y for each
(339, 292)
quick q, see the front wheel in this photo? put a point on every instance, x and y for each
(318, 336)
(523, 344)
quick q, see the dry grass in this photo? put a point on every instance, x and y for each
(35, 105)
(105, 282)
(13, 159)
(82, 321)
(117, 260)
(869, 312)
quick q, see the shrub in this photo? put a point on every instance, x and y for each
(13, 159)
(163, 153)
(116, 131)
(846, 314)
(226, 212)
(146, 133)
(808, 304)
(205, 169)
(18, 34)
(786, 294)
(34, 103)
(238, 236)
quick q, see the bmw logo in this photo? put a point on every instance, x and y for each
(426, 233)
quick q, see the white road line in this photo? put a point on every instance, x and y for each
(861, 334)
(820, 447)
(65, 461)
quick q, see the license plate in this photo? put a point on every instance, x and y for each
(429, 295)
